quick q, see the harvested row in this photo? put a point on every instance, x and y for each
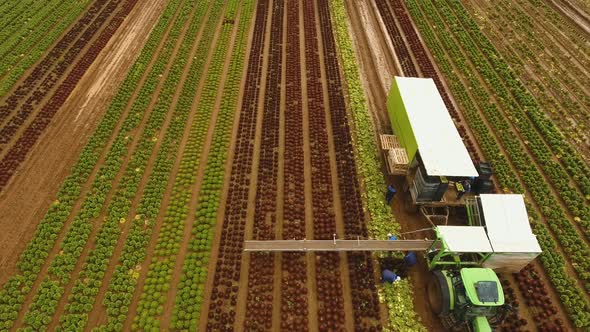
(17, 153)
(556, 271)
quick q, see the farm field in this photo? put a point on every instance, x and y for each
(142, 142)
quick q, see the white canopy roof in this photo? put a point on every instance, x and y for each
(507, 224)
(441, 148)
(465, 238)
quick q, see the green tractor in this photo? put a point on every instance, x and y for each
(464, 289)
(467, 299)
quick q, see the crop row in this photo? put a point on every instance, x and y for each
(361, 273)
(546, 60)
(524, 108)
(227, 269)
(573, 199)
(12, 294)
(119, 213)
(125, 277)
(51, 63)
(561, 28)
(195, 268)
(329, 290)
(489, 145)
(93, 270)
(401, 50)
(42, 29)
(12, 10)
(294, 292)
(19, 150)
(398, 296)
(18, 22)
(259, 301)
(46, 75)
(158, 279)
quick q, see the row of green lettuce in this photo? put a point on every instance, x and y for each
(397, 296)
(472, 96)
(29, 30)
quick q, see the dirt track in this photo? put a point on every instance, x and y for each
(33, 188)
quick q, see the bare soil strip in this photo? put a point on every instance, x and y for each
(96, 221)
(34, 188)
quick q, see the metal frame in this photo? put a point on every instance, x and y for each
(443, 257)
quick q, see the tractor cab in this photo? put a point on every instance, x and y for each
(467, 298)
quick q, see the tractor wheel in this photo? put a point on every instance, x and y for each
(439, 294)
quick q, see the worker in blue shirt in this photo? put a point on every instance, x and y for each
(390, 193)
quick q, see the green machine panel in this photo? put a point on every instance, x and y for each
(400, 121)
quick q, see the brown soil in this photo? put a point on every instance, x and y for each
(579, 17)
(5, 148)
(553, 295)
(33, 188)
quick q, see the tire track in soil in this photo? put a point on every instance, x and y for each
(55, 251)
(66, 135)
(241, 188)
(30, 136)
(259, 301)
(98, 314)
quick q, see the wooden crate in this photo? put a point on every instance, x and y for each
(389, 142)
(397, 161)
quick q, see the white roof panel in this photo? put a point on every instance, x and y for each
(441, 148)
(465, 238)
(507, 224)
